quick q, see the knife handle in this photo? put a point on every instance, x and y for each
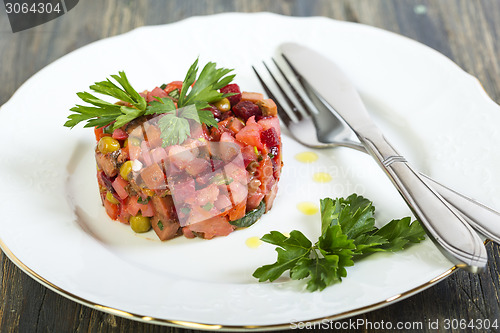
(444, 225)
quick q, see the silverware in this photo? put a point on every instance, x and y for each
(443, 223)
(315, 124)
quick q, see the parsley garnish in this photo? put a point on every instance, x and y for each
(193, 102)
(103, 113)
(348, 232)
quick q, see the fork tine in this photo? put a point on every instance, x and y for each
(292, 78)
(287, 92)
(285, 112)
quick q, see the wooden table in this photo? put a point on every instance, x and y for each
(465, 31)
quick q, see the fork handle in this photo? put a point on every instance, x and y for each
(446, 227)
(480, 217)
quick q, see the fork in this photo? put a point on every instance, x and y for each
(314, 123)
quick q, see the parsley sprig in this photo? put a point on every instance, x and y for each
(348, 232)
(103, 113)
(193, 102)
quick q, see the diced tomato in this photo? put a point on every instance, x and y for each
(250, 134)
(197, 167)
(238, 211)
(238, 192)
(158, 155)
(119, 134)
(172, 86)
(123, 215)
(133, 207)
(134, 152)
(215, 226)
(181, 156)
(153, 136)
(144, 153)
(153, 177)
(207, 195)
(266, 174)
(156, 92)
(199, 132)
(249, 155)
(198, 214)
(183, 190)
(147, 209)
(235, 125)
(254, 199)
(270, 196)
(223, 203)
(228, 147)
(235, 172)
(271, 122)
(119, 185)
(111, 209)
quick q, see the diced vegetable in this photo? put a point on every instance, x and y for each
(153, 176)
(198, 158)
(232, 89)
(251, 217)
(108, 145)
(119, 134)
(250, 134)
(119, 185)
(252, 97)
(111, 209)
(125, 170)
(140, 223)
(267, 107)
(223, 105)
(246, 109)
(111, 198)
(216, 226)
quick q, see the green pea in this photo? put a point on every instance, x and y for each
(108, 145)
(140, 223)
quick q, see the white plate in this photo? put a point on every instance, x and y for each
(55, 229)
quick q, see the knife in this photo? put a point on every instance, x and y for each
(444, 225)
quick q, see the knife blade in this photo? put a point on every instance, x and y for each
(444, 225)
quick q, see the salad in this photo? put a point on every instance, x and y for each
(198, 157)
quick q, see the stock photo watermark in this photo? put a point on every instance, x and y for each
(26, 14)
(381, 325)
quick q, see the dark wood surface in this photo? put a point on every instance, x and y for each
(467, 31)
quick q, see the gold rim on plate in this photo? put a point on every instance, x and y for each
(212, 327)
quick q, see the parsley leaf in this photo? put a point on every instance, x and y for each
(161, 105)
(174, 130)
(347, 232)
(103, 112)
(290, 251)
(193, 103)
(205, 88)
